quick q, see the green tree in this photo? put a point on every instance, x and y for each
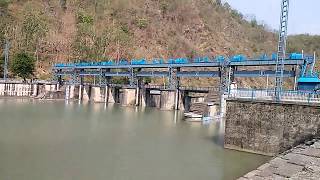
(23, 65)
(5, 20)
(34, 27)
(4, 7)
(86, 39)
(121, 38)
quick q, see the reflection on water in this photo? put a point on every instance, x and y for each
(42, 140)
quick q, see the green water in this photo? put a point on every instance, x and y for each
(42, 140)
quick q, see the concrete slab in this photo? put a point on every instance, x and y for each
(301, 160)
(252, 174)
(288, 170)
(311, 152)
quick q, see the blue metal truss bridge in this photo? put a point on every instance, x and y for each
(296, 65)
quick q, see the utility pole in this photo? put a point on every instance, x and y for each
(6, 59)
(281, 56)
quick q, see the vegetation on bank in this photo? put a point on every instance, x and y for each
(23, 65)
(306, 42)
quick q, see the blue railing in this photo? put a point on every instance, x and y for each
(217, 59)
(270, 94)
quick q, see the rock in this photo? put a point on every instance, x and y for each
(316, 145)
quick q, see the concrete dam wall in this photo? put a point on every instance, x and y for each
(163, 99)
(158, 98)
(269, 128)
(11, 89)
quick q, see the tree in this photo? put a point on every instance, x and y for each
(34, 27)
(4, 7)
(5, 20)
(23, 65)
(84, 42)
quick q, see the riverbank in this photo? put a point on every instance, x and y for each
(301, 162)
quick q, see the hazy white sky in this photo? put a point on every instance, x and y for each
(304, 14)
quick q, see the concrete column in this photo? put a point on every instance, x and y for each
(86, 93)
(129, 97)
(47, 87)
(176, 100)
(137, 98)
(143, 98)
(35, 90)
(96, 94)
(213, 110)
(10, 89)
(5, 89)
(182, 99)
(67, 93)
(167, 100)
(2, 88)
(21, 88)
(111, 95)
(80, 92)
(71, 91)
(106, 94)
(223, 105)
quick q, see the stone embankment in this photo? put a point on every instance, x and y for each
(301, 162)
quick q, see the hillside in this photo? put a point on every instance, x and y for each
(66, 30)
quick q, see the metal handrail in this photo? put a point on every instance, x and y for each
(269, 94)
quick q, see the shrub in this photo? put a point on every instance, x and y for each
(84, 18)
(142, 23)
(23, 65)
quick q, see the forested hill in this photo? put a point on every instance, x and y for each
(65, 30)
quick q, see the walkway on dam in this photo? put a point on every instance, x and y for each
(302, 162)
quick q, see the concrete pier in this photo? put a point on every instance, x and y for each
(113, 94)
(86, 92)
(167, 100)
(106, 94)
(35, 90)
(151, 98)
(128, 97)
(96, 94)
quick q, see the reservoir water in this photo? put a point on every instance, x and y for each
(42, 140)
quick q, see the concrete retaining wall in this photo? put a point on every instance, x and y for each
(269, 128)
(19, 90)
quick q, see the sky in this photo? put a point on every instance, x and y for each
(304, 15)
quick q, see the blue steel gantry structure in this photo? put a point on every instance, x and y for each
(296, 65)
